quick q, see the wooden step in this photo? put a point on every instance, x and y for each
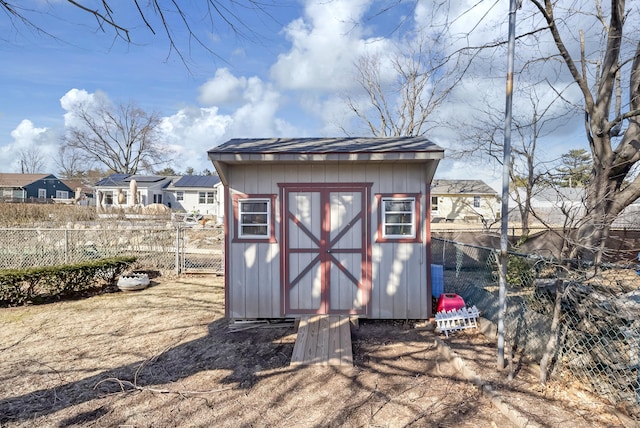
(323, 340)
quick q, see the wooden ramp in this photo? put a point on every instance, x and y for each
(323, 340)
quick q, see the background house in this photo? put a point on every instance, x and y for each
(551, 206)
(327, 226)
(32, 188)
(470, 201)
(115, 190)
(199, 193)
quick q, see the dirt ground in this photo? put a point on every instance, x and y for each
(165, 356)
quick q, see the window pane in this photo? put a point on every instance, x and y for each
(397, 206)
(253, 207)
(403, 230)
(398, 218)
(253, 219)
(254, 230)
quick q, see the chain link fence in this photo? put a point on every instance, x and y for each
(168, 249)
(580, 324)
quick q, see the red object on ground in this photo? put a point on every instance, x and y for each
(448, 302)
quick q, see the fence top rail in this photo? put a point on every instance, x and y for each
(479, 247)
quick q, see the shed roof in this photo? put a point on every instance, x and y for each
(404, 149)
(458, 187)
(20, 180)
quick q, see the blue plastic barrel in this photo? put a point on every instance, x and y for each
(437, 280)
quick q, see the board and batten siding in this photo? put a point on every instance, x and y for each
(399, 269)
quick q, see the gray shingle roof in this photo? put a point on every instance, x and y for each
(113, 180)
(19, 180)
(327, 145)
(456, 187)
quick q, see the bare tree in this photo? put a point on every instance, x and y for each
(403, 105)
(170, 19)
(69, 162)
(123, 138)
(484, 138)
(32, 161)
(600, 69)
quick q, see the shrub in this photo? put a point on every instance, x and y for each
(520, 270)
(35, 285)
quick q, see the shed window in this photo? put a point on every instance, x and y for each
(254, 217)
(179, 196)
(434, 204)
(476, 202)
(397, 218)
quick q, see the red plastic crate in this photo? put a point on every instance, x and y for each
(449, 301)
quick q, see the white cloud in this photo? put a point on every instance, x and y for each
(192, 131)
(27, 137)
(75, 97)
(222, 88)
(325, 44)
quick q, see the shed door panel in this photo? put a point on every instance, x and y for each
(326, 250)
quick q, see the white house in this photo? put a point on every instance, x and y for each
(469, 201)
(115, 190)
(196, 193)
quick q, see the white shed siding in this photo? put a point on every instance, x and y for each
(255, 274)
(399, 282)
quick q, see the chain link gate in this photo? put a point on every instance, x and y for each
(200, 249)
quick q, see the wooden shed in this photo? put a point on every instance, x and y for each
(327, 226)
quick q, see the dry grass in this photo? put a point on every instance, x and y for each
(165, 357)
(43, 215)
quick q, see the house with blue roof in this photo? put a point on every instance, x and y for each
(189, 193)
(115, 190)
(197, 193)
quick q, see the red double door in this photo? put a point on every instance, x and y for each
(326, 249)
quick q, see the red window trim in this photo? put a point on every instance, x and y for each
(236, 218)
(416, 218)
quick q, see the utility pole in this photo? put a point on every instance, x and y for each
(506, 165)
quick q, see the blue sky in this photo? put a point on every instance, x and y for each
(288, 76)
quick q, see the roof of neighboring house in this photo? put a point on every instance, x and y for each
(20, 180)
(124, 180)
(553, 194)
(461, 187)
(348, 149)
(75, 184)
(197, 181)
(113, 180)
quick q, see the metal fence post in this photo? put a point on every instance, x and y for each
(177, 261)
(66, 246)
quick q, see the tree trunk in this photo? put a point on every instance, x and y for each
(552, 343)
